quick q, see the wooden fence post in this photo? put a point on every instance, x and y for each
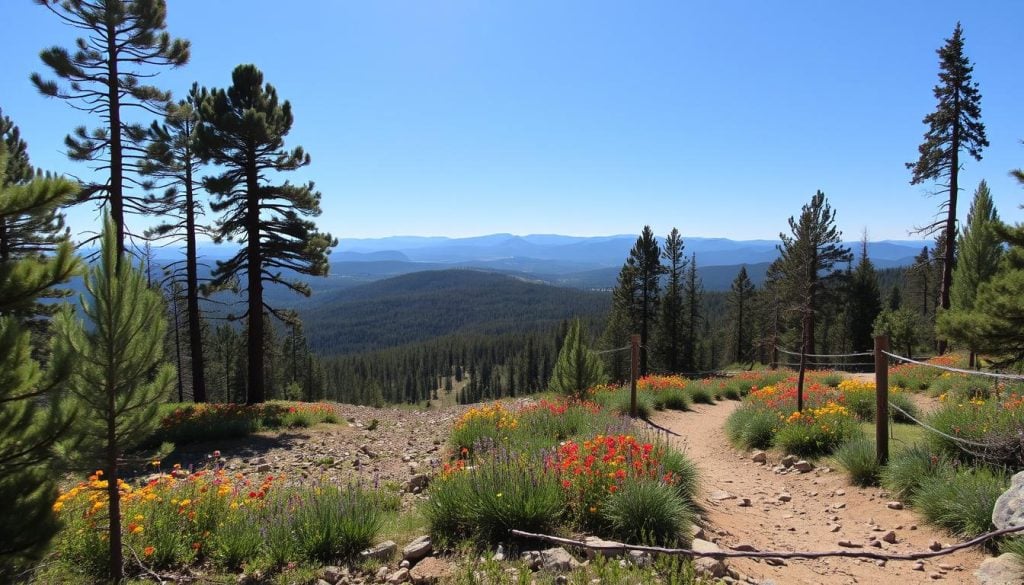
(634, 367)
(881, 399)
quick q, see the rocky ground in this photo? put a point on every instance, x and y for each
(751, 501)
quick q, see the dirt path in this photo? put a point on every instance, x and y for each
(823, 510)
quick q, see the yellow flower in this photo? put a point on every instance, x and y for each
(499, 494)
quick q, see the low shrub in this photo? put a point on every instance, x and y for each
(672, 399)
(488, 424)
(858, 459)
(997, 424)
(817, 431)
(191, 423)
(961, 502)
(701, 393)
(751, 427)
(909, 467)
(647, 512)
(1014, 546)
(684, 471)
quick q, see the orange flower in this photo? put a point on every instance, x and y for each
(148, 551)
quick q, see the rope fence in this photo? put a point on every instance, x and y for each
(625, 348)
(825, 355)
(996, 375)
(725, 554)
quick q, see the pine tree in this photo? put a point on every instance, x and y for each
(955, 126)
(172, 165)
(620, 323)
(577, 368)
(645, 259)
(672, 318)
(996, 321)
(34, 231)
(809, 257)
(741, 296)
(863, 302)
(32, 414)
(979, 249)
(120, 378)
(693, 291)
(242, 129)
(125, 43)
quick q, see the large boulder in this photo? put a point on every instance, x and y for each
(1009, 509)
(1006, 569)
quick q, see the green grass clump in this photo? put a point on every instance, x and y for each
(911, 466)
(647, 512)
(497, 494)
(683, 469)
(961, 502)
(811, 440)
(672, 399)
(1014, 546)
(701, 393)
(751, 427)
(858, 459)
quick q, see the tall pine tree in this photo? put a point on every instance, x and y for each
(242, 129)
(32, 414)
(954, 127)
(125, 43)
(693, 291)
(863, 302)
(741, 300)
(672, 317)
(577, 368)
(645, 259)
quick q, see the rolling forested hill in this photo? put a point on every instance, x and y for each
(423, 305)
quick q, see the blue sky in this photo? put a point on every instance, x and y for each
(464, 118)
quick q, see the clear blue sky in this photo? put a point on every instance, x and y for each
(584, 117)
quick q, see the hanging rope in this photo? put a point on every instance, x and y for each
(996, 375)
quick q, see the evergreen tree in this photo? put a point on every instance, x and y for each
(172, 165)
(125, 42)
(903, 326)
(36, 230)
(577, 368)
(741, 295)
(620, 323)
(979, 249)
(864, 302)
(120, 377)
(645, 259)
(996, 321)
(809, 257)
(672, 318)
(242, 129)
(32, 414)
(693, 290)
(954, 127)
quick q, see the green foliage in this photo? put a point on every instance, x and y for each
(32, 413)
(242, 129)
(749, 427)
(909, 467)
(686, 476)
(997, 425)
(130, 39)
(810, 440)
(741, 301)
(647, 512)
(332, 523)
(700, 393)
(671, 328)
(501, 492)
(1014, 546)
(864, 302)
(903, 326)
(858, 459)
(119, 376)
(577, 368)
(672, 399)
(962, 501)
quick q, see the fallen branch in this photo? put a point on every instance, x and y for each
(865, 554)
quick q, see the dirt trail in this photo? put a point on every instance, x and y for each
(823, 510)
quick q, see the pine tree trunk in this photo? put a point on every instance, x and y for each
(114, 497)
(950, 243)
(257, 392)
(116, 194)
(195, 333)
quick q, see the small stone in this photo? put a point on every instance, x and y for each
(935, 576)
(405, 564)
(835, 528)
(263, 468)
(759, 457)
(606, 548)
(417, 549)
(918, 566)
(744, 502)
(380, 552)
(946, 567)
(880, 562)
(557, 560)
(876, 543)
(788, 461)
(332, 574)
(894, 505)
(744, 547)
(849, 544)
(803, 466)
(935, 545)
(784, 497)
(840, 492)
(430, 570)
(890, 537)
(775, 562)
(720, 496)
(838, 505)
(399, 576)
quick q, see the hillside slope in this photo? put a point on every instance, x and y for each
(423, 305)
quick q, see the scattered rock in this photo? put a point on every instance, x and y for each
(639, 558)
(557, 560)
(417, 549)
(332, 574)
(263, 468)
(784, 497)
(380, 552)
(430, 570)
(788, 461)
(712, 567)
(605, 548)
(935, 545)
(744, 502)
(696, 531)
(1002, 570)
(890, 537)
(935, 576)
(918, 566)
(759, 457)
(720, 496)
(417, 483)
(849, 544)
(775, 562)
(744, 547)
(399, 576)
(803, 466)
(894, 505)
(1009, 509)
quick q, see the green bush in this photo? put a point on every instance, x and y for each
(701, 393)
(237, 541)
(859, 461)
(909, 467)
(989, 422)
(832, 378)
(647, 512)
(751, 427)
(332, 523)
(494, 496)
(961, 502)
(683, 469)
(619, 403)
(1014, 546)
(811, 440)
(671, 399)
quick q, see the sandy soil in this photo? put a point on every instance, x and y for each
(823, 510)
